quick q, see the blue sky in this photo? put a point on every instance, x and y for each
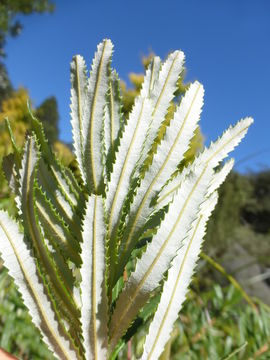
(226, 43)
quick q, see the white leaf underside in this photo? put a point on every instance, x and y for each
(78, 101)
(132, 188)
(33, 232)
(161, 95)
(113, 124)
(115, 109)
(168, 239)
(169, 154)
(131, 142)
(211, 156)
(127, 156)
(141, 129)
(92, 124)
(22, 267)
(180, 273)
(94, 312)
(176, 286)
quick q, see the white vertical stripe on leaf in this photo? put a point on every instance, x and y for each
(94, 312)
(172, 231)
(115, 107)
(127, 156)
(92, 125)
(212, 156)
(131, 144)
(78, 97)
(176, 286)
(169, 154)
(141, 129)
(152, 73)
(161, 94)
(22, 267)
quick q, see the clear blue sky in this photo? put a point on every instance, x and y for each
(226, 42)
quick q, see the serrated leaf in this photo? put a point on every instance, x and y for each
(131, 143)
(92, 117)
(128, 154)
(78, 81)
(22, 267)
(9, 169)
(94, 311)
(161, 94)
(50, 186)
(152, 73)
(55, 229)
(220, 176)
(176, 286)
(170, 235)
(113, 122)
(65, 181)
(169, 154)
(26, 201)
(211, 156)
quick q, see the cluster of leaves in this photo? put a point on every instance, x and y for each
(239, 202)
(132, 191)
(129, 94)
(212, 324)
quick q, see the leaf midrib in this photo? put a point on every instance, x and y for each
(175, 287)
(93, 108)
(140, 209)
(36, 295)
(150, 268)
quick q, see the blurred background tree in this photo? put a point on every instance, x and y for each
(10, 9)
(10, 26)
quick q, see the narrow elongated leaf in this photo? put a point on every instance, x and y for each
(115, 109)
(162, 93)
(131, 144)
(152, 73)
(113, 123)
(78, 81)
(94, 312)
(50, 186)
(169, 154)
(54, 228)
(169, 237)
(22, 267)
(87, 277)
(211, 156)
(137, 134)
(26, 201)
(92, 117)
(11, 175)
(179, 276)
(176, 286)
(66, 182)
(128, 154)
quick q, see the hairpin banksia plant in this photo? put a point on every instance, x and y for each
(132, 211)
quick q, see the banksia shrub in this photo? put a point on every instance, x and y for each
(131, 211)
